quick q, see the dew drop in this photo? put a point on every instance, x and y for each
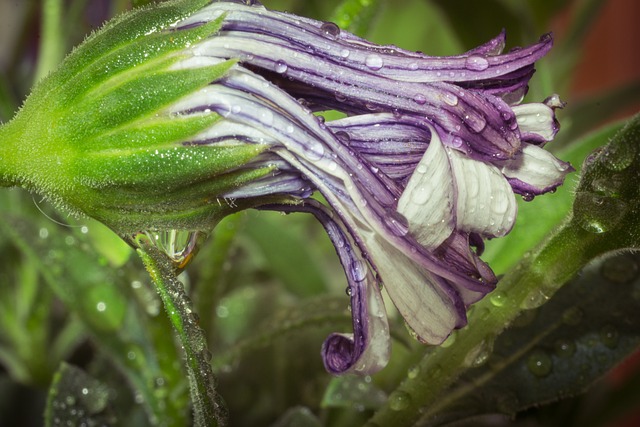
(413, 372)
(413, 66)
(476, 63)
(475, 123)
(281, 67)
(564, 348)
(457, 142)
(373, 61)
(313, 151)
(179, 245)
(450, 99)
(420, 99)
(345, 53)
(396, 222)
(535, 299)
(609, 336)
(539, 363)
(498, 298)
(358, 270)
(399, 400)
(330, 30)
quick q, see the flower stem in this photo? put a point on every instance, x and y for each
(208, 407)
(51, 39)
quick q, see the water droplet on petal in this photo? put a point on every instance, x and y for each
(450, 99)
(373, 61)
(281, 67)
(330, 30)
(345, 53)
(476, 63)
(413, 66)
(420, 99)
(475, 123)
(358, 270)
(396, 222)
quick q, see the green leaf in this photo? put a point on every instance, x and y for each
(298, 417)
(106, 303)
(558, 350)
(75, 398)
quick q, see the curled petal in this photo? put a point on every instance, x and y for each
(535, 171)
(367, 349)
(537, 122)
(428, 199)
(484, 200)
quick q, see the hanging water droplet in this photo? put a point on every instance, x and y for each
(281, 67)
(527, 197)
(330, 30)
(374, 61)
(399, 400)
(179, 245)
(476, 63)
(539, 363)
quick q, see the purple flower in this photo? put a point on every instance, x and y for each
(422, 169)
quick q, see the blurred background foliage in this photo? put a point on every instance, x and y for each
(83, 336)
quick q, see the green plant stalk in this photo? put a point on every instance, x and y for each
(51, 39)
(209, 409)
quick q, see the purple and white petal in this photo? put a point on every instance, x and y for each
(484, 201)
(535, 171)
(537, 122)
(428, 200)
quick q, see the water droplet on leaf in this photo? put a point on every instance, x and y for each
(399, 400)
(539, 363)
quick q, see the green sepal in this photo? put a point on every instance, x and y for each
(120, 32)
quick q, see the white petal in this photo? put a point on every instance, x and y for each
(536, 168)
(427, 201)
(485, 203)
(536, 118)
(425, 308)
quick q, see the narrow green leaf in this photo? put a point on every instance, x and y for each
(75, 398)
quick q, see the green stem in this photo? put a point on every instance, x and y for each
(51, 38)
(209, 410)
(528, 285)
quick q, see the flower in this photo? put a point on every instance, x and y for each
(215, 113)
